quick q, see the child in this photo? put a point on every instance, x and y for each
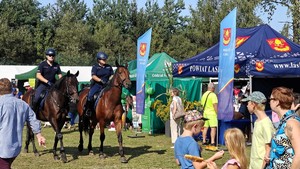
(185, 144)
(262, 132)
(235, 142)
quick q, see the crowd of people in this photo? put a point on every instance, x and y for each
(275, 141)
(273, 145)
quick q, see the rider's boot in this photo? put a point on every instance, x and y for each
(88, 108)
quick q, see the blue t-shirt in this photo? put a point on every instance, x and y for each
(102, 72)
(183, 146)
(48, 71)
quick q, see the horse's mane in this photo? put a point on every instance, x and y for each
(110, 82)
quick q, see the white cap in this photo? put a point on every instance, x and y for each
(26, 84)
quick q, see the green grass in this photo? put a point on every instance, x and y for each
(152, 151)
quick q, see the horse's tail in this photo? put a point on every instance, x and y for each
(86, 124)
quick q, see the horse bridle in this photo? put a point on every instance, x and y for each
(121, 84)
(68, 94)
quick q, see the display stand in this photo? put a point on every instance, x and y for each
(135, 123)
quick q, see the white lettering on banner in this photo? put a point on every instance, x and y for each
(286, 65)
(197, 68)
(157, 75)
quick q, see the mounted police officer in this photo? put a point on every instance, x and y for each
(46, 72)
(101, 73)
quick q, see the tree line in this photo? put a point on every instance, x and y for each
(77, 32)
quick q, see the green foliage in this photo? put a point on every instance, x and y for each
(269, 6)
(113, 26)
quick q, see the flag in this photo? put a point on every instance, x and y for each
(143, 50)
(226, 66)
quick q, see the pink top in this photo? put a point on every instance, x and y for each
(231, 161)
(275, 117)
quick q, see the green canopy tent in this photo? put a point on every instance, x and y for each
(157, 79)
(28, 76)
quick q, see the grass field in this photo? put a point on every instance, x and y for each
(152, 151)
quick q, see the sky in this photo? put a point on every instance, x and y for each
(278, 19)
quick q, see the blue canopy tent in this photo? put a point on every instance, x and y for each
(260, 52)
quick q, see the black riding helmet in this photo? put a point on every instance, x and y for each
(101, 56)
(51, 52)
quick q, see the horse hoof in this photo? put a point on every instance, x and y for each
(25, 150)
(36, 154)
(103, 156)
(80, 148)
(123, 160)
(56, 157)
(91, 153)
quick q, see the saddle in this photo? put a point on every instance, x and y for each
(40, 102)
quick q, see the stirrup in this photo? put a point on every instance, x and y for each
(88, 113)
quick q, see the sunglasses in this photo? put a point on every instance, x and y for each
(51, 55)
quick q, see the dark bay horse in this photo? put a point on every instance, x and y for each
(55, 109)
(109, 108)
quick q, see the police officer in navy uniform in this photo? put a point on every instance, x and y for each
(46, 72)
(101, 73)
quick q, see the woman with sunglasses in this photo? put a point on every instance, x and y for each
(285, 145)
(101, 73)
(46, 72)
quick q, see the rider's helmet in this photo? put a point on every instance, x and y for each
(101, 56)
(51, 52)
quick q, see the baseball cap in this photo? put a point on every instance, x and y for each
(257, 97)
(26, 84)
(193, 115)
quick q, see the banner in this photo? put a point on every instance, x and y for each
(143, 50)
(226, 66)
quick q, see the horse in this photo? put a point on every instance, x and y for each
(55, 110)
(108, 108)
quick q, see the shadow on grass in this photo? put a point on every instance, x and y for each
(130, 152)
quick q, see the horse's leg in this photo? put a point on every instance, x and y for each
(91, 132)
(102, 138)
(30, 138)
(55, 145)
(118, 125)
(80, 146)
(59, 135)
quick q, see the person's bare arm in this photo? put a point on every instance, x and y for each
(267, 155)
(203, 164)
(216, 107)
(96, 78)
(292, 130)
(41, 77)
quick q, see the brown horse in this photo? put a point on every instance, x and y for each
(108, 108)
(55, 110)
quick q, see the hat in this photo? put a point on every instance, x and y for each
(193, 115)
(26, 84)
(257, 97)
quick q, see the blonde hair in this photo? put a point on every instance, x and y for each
(235, 142)
(260, 106)
(175, 91)
(5, 86)
(189, 125)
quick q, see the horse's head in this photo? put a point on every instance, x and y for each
(123, 75)
(69, 85)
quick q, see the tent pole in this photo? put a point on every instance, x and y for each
(250, 84)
